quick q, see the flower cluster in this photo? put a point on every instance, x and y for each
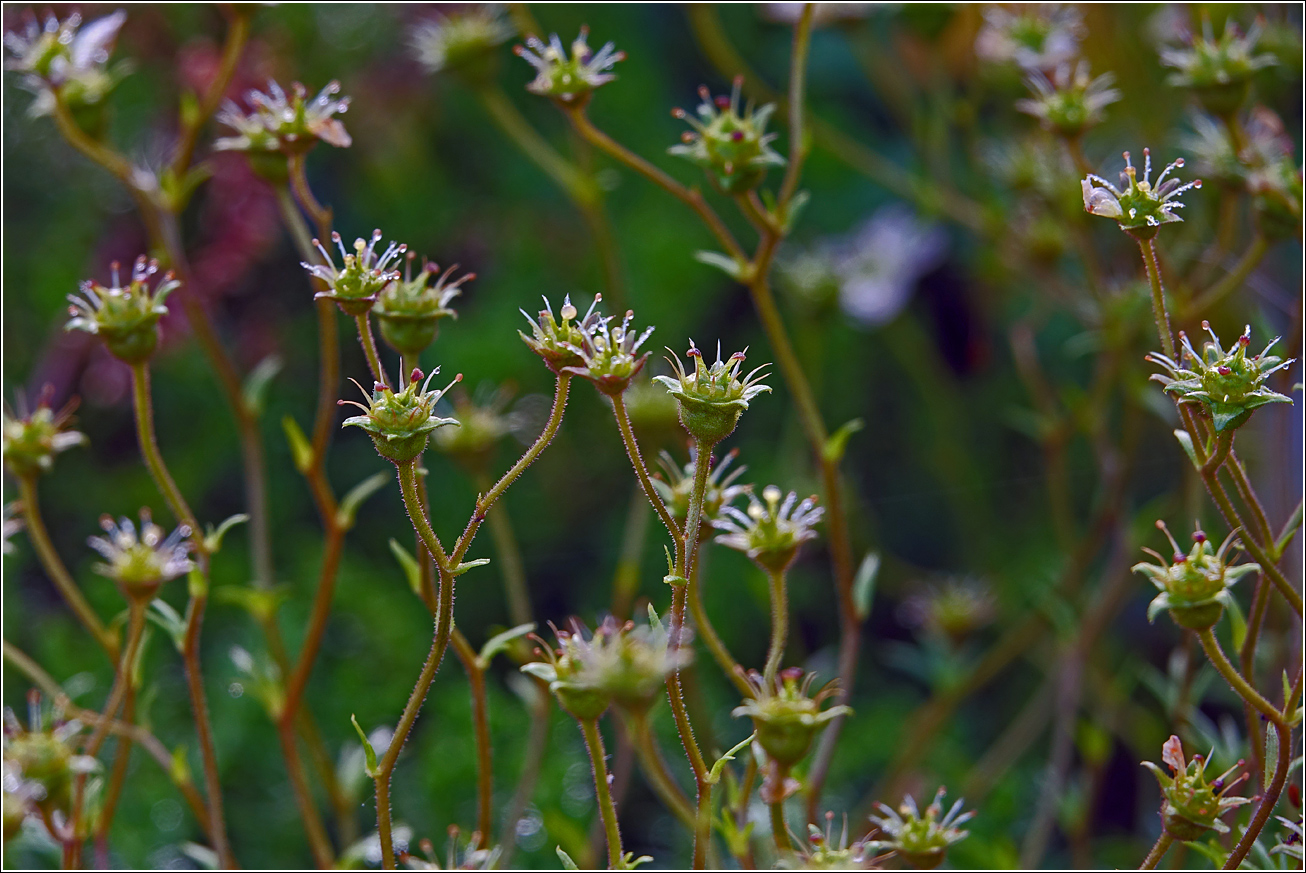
(785, 715)
(1071, 101)
(954, 610)
(285, 123)
(464, 42)
(126, 319)
(921, 840)
(357, 284)
(557, 341)
(1139, 208)
(733, 147)
(772, 531)
(1228, 385)
(711, 399)
(609, 356)
(821, 851)
(409, 310)
(65, 58)
(401, 422)
(1218, 71)
(140, 562)
(31, 440)
(1034, 36)
(568, 79)
(40, 764)
(622, 664)
(678, 486)
(1193, 805)
(1195, 586)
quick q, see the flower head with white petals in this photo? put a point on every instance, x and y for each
(1139, 207)
(281, 122)
(141, 561)
(772, 530)
(362, 276)
(568, 78)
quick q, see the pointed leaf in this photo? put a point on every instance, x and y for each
(724, 263)
(301, 452)
(367, 748)
(348, 508)
(1271, 754)
(567, 863)
(213, 539)
(255, 389)
(470, 565)
(497, 643)
(715, 775)
(1237, 622)
(864, 585)
(180, 768)
(837, 442)
(1186, 441)
(162, 613)
(412, 572)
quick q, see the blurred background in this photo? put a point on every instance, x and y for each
(943, 285)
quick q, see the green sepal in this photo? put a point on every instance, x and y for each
(162, 613)
(726, 264)
(864, 585)
(1186, 442)
(837, 443)
(371, 768)
(469, 565)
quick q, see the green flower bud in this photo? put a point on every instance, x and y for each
(771, 532)
(41, 762)
(568, 79)
(32, 440)
(362, 277)
(409, 310)
(678, 486)
(733, 148)
(1192, 804)
(1138, 208)
(125, 319)
(463, 43)
(401, 423)
(1195, 587)
(1227, 385)
(139, 563)
(558, 342)
(1218, 71)
(279, 124)
(785, 716)
(1071, 102)
(712, 398)
(921, 840)
(608, 355)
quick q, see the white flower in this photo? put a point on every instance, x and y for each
(879, 264)
(1034, 36)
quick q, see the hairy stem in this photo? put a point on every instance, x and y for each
(641, 469)
(607, 809)
(1154, 857)
(1239, 685)
(779, 625)
(368, 342)
(1268, 800)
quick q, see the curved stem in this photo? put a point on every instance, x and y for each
(153, 458)
(607, 809)
(779, 625)
(58, 573)
(654, 767)
(797, 93)
(1268, 800)
(1159, 312)
(233, 47)
(780, 830)
(726, 661)
(509, 559)
(368, 342)
(1234, 280)
(318, 842)
(1158, 850)
(1240, 686)
(121, 758)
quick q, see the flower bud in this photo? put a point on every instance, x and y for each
(1071, 102)
(1227, 385)
(1194, 587)
(734, 148)
(1193, 805)
(771, 532)
(279, 124)
(785, 717)
(558, 340)
(1139, 208)
(608, 355)
(712, 398)
(140, 563)
(400, 423)
(678, 487)
(921, 840)
(32, 440)
(568, 79)
(409, 310)
(361, 278)
(1218, 71)
(40, 763)
(483, 421)
(125, 319)
(463, 43)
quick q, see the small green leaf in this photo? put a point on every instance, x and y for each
(255, 391)
(1237, 622)
(864, 585)
(724, 263)
(793, 210)
(837, 442)
(348, 509)
(197, 584)
(301, 452)
(653, 620)
(1271, 754)
(261, 603)
(497, 643)
(180, 767)
(213, 539)
(470, 565)
(162, 613)
(371, 768)
(715, 775)
(1186, 441)
(1289, 531)
(567, 863)
(412, 572)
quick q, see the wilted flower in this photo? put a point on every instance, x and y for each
(141, 562)
(285, 123)
(126, 319)
(400, 423)
(464, 42)
(1034, 36)
(1192, 804)
(954, 610)
(733, 147)
(1137, 207)
(1228, 385)
(1218, 71)
(712, 398)
(31, 440)
(72, 60)
(1194, 587)
(624, 664)
(785, 714)
(922, 840)
(363, 275)
(40, 761)
(821, 851)
(878, 265)
(771, 532)
(678, 486)
(409, 310)
(556, 340)
(1071, 101)
(608, 355)
(568, 79)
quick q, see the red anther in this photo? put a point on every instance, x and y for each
(1181, 558)
(518, 50)
(722, 101)
(1199, 537)
(693, 353)
(1244, 340)
(687, 137)
(793, 674)
(377, 386)
(1223, 371)
(704, 93)
(739, 81)
(335, 236)
(737, 135)
(415, 376)
(1206, 325)
(677, 112)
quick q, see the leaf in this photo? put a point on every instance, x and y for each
(470, 565)
(1271, 754)
(163, 614)
(261, 603)
(370, 752)
(653, 621)
(837, 442)
(1237, 622)
(179, 770)
(864, 585)
(793, 210)
(724, 263)
(213, 539)
(255, 390)
(1186, 441)
(412, 572)
(301, 452)
(348, 509)
(497, 643)
(715, 775)
(197, 583)
(1289, 531)
(567, 863)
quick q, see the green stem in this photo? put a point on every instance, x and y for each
(702, 825)
(726, 661)
(154, 459)
(625, 580)
(58, 573)
(1239, 685)
(233, 47)
(368, 342)
(319, 844)
(1243, 483)
(780, 830)
(779, 625)
(1159, 313)
(1268, 566)
(1154, 857)
(1268, 800)
(797, 91)
(607, 809)
(654, 767)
